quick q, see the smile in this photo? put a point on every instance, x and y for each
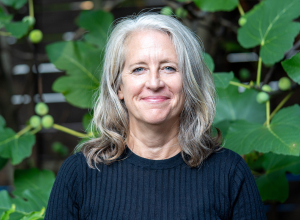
(155, 99)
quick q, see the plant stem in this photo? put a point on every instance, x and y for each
(3, 33)
(23, 131)
(31, 8)
(69, 131)
(268, 113)
(239, 84)
(258, 72)
(241, 9)
(36, 130)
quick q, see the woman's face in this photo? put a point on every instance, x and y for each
(152, 85)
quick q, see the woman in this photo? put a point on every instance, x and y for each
(155, 157)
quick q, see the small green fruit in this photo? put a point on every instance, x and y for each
(266, 88)
(166, 11)
(35, 36)
(244, 74)
(262, 97)
(30, 20)
(181, 12)
(242, 21)
(47, 121)
(284, 84)
(41, 108)
(35, 121)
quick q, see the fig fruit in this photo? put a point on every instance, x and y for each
(35, 121)
(284, 84)
(29, 19)
(242, 21)
(41, 108)
(47, 121)
(35, 36)
(262, 97)
(266, 88)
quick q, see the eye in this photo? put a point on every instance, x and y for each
(138, 70)
(170, 69)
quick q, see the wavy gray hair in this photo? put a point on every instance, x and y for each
(110, 113)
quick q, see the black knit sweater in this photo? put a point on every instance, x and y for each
(139, 188)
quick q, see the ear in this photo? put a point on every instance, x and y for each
(120, 92)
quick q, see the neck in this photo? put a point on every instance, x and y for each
(155, 142)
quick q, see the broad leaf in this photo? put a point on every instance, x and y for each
(222, 79)
(17, 4)
(273, 185)
(80, 61)
(209, 62)
(4, 18)
(17, 29)
(14, 147)
(86, 120)
(216, 5)
(32, 185)
(292, 67)
(232, 105)
(281, 137)
(2, 122)
(33, 179)
(97, 23)
(270, 25)
(35, 215)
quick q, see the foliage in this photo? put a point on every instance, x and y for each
(249, 127)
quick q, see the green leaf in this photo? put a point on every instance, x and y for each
(216, 5)
(17, 4)
(270, 25)
(209, 62)
(17, 29)
(35, 215)
(281, 137)
(292, 67)
(14, 147)
(97, 23)
(5, 215)
(86, 120)
(273, 185)
(222, 79)
(232, 105)
(80, 61)
(4, 18)
(32, 185)
(2, 122)
(33, 179)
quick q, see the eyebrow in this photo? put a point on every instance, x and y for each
(161, 62)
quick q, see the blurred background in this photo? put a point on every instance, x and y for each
(27, 75)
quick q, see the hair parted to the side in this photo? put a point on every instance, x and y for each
(110, 114)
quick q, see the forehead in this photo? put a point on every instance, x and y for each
(148, 41)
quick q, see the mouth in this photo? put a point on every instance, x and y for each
(155, 99)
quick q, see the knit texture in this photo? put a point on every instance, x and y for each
(139, 188)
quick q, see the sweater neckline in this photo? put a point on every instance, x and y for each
(152, 164)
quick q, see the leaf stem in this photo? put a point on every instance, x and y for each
(69, 131)
(239, 84)
(3, 33)
(268, 113)
(241, 9)
(258, 72)
(31, 8)
(36, 130)
(23, 131)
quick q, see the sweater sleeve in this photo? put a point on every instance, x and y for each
(246, 202)
(64, 195)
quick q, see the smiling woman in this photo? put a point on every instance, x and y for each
(155, 157)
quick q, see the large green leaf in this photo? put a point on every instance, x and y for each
(32, 185)
(216, 5)
(292, 67)
(222, 79)
(273, 185)
(232, 105)
(97, 23)
(33, 179)
(281, 137)
(81, 62)
(14, 3)
(209, 62)
(2, 122)
(15, 147)
(269, 24)
(17, 29)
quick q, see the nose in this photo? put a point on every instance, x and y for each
(154, 82)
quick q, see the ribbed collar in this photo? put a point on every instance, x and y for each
(152, 164)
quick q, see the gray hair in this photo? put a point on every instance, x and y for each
(110, 118)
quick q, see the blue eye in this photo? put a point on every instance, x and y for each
(170, 68)
(138, 69)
